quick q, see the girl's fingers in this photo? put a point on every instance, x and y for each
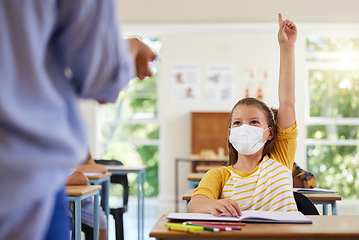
(280, 19)
(226, 211)
(233, 208)
(290, 24)
(216, 212)
(230, 210)
(237, 209)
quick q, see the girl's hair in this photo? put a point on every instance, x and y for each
(270, 114)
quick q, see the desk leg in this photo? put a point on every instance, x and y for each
(138, 207)
(334, 208)
(77, 217)
(176, 185)
(325, 209)
(185, 206)
(95, 220)
(106, 195)
(143, 202)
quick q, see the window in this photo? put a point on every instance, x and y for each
(333, 113)
(129, 128)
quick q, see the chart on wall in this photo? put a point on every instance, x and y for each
(255, 79)
(185, 82)
(219, 83)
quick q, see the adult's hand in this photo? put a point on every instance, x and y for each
(142, 55)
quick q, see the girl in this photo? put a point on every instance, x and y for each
(261, 149)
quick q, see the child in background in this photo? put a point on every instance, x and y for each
(261, 149)
(302, 178)
(87, 205)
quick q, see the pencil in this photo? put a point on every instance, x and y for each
(181, 229)
(230, 228)
(196, 227)
(220, 227)
(209, 228)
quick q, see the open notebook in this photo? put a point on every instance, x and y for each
(247, 216)
(313, 190)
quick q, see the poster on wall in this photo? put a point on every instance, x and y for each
(255, 79)
(220, 83)
(185, 82)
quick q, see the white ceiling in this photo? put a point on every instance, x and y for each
(237, 11)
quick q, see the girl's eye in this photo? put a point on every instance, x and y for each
(237, 123)
(254, 122)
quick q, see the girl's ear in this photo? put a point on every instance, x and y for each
(271, 134)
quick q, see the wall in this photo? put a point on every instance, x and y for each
(237, 11)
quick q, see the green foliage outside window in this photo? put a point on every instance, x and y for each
(336, 168)
(334, 94)
(130, 129)
(328, 49)
(126, 139)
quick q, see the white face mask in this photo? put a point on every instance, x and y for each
(247, 139)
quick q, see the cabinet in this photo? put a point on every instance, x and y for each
(209, 131)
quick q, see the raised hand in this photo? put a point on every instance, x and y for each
(287, 33)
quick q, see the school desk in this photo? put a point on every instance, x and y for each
(76, 194)
(141, 176)
(323, 227)
(102, 179)
(206, 168)
(194, 179)
(323, 199)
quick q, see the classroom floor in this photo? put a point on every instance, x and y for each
(152, 214)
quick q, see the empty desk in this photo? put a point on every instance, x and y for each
(78, 193)
(102, 179)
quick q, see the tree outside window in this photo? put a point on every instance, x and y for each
(333, 121)
(129, 128)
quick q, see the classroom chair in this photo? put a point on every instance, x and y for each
(304, 204)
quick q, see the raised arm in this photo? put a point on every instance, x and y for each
(287, 35)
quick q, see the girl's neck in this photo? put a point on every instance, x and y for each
(246, 163)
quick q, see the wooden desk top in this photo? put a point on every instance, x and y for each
(80, 190)
(198, 159)
(98, 176)
(312, 196)
(195, 176)
(323, 227)
(323, 196)
(206, 168)
(121, 168)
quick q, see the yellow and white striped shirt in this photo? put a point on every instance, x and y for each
(267, 187)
